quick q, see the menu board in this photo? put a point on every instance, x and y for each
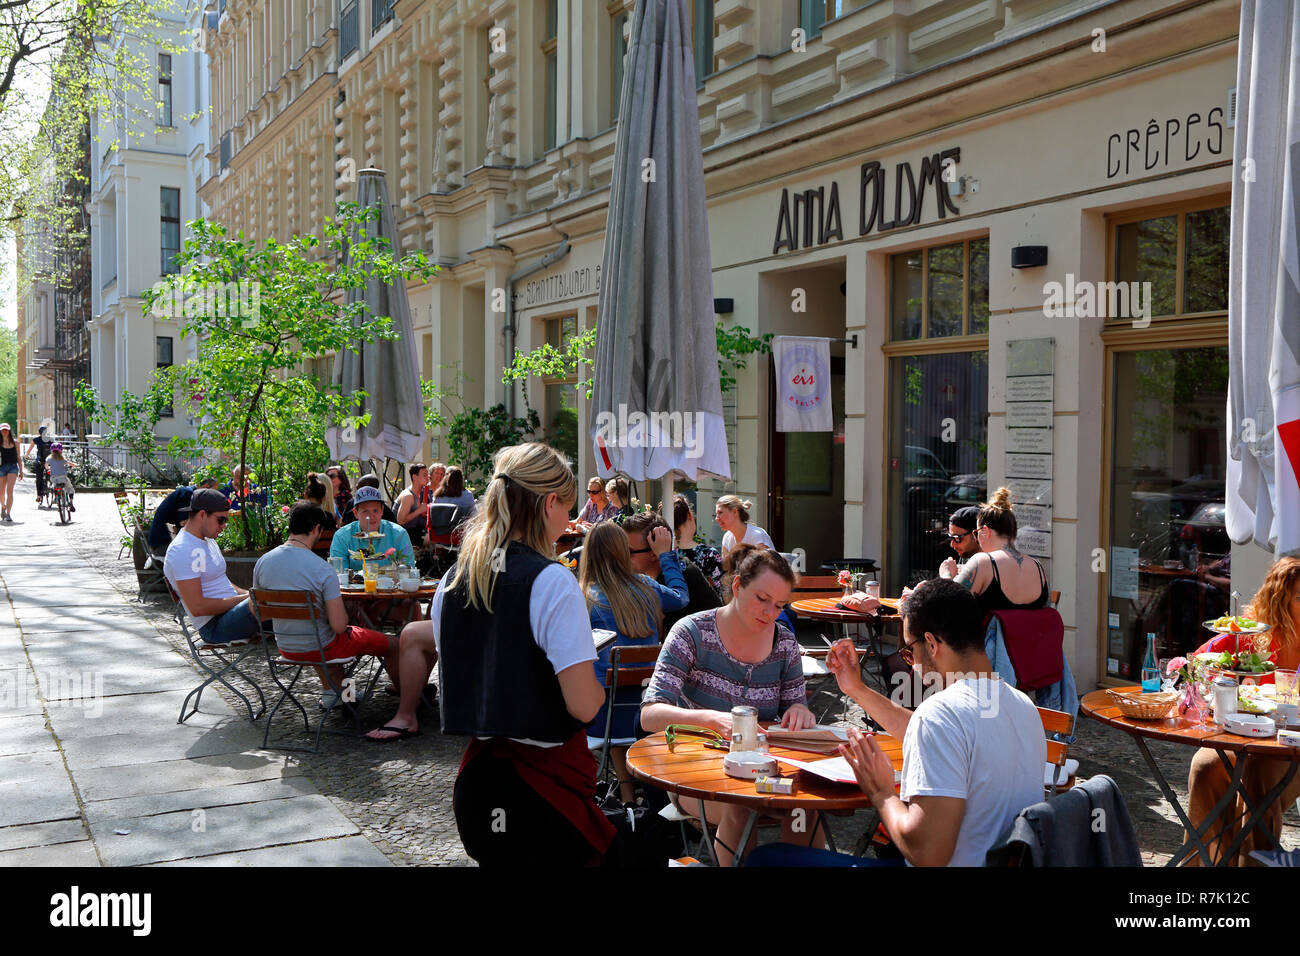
(1124, 573)
(1028, 454)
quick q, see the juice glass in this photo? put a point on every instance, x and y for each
(371, 579)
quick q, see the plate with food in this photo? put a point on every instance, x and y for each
(1236, 625)
(1256, 699)
(1238, 663)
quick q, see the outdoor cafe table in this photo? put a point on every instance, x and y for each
(824, 609)
(359, 603)
(695, 771)
(1101, 707)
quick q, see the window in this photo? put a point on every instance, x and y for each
(163, 359)
(1169, 541)
(1183, 255)
(940, 291)
(164, 89)
(349, 29)
(381, 11)
(171, 229)
(814, 13)
(561, 395)
(702, 39)
(617, 53)
(551, 61)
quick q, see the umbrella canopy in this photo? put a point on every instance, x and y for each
(1263, 497)
(386, 369)
(656, 404)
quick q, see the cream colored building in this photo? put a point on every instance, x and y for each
(1099, 131)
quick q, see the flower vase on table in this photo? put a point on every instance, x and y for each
(845, 579)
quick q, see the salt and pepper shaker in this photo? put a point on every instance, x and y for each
(1225, 697)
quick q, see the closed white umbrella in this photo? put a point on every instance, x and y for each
(1263, 496)
(657, 403)
(386, 369)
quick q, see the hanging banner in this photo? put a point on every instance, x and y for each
(803, 380)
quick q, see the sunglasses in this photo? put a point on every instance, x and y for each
(710, 738)
(641, 550)
(594, 491)
(905, 652)
(958, 537)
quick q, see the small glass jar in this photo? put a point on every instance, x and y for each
(744, 728)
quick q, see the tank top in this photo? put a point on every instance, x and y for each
(9, 456)
(992, 598)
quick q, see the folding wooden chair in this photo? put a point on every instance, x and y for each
(1056, 725)
(224, 654)
(628, 667)
(270, 605)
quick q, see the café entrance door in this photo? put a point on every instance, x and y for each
(807, 494)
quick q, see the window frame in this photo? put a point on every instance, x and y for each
(168, 410)
(702, 11)
(164, 222)
(902, 346)
(165, 90)
(1180, 210)
(618, 46)
(550, 50)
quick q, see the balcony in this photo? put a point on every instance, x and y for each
(349, 30)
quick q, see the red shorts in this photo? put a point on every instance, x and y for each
(353, 642)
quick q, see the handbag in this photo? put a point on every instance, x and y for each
(642, 839)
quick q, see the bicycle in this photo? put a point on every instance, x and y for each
(60, 496)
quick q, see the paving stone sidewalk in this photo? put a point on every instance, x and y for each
(88, 773)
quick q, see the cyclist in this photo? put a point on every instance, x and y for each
(42, 443)
(58, 467)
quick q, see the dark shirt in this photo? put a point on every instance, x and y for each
(703, 596)
(42, 447)
(168, 513)
(992, 598)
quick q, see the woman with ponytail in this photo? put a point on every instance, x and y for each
(511, 636)
(1000, 577)
(732, 516)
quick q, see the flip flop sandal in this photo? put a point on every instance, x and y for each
(402, 734)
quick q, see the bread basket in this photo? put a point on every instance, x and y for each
(1140, 706)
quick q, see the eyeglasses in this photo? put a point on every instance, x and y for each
(641, 550)
(905, 652)
(958, 537)
(710, 738)
(594, 491)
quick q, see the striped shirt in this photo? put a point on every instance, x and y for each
(695, 671)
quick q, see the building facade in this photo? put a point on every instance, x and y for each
(147, 160)
(1015, 211)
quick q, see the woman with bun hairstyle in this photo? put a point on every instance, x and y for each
(733, 655)
(514, 648)
(732, 516)
(318, 493)
(1000, 577)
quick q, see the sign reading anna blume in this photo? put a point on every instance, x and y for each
(812, 217)
(1028, 460)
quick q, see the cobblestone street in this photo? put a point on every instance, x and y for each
(399, 795)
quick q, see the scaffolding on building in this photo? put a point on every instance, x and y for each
(72, 302)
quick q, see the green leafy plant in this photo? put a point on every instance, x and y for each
(264, 316)
(131, 421)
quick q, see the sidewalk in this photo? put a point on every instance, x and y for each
(97, 771)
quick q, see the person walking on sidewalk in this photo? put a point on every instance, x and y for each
(197, 572)
(11, 470)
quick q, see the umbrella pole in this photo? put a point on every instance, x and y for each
(667, 505)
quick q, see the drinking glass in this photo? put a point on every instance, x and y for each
(371, 579)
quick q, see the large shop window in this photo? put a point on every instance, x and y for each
(560, 410)
(938, 456)
(1170, 555)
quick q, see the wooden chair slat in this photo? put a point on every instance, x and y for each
(1054, 721)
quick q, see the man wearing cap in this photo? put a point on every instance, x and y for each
(368, 506)
(196, 570)
(169, 513)
(41, 443)
(961, 536)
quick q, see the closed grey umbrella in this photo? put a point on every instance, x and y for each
(1263, 494)
(656, 403)
(386, 369)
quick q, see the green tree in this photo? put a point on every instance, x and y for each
(8, 375)
(263, 315)
(131, 422)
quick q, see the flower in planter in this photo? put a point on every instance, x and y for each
(284, 510)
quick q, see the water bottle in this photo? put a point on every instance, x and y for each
(1150, 668)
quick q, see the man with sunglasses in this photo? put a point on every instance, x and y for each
(197, 572)
(961, 536)
(973, 751)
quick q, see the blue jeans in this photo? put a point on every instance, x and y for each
(236, 624)
(7, 470)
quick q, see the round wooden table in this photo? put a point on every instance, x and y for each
(359, 602)
(695, 772)
(824, 609)
(1101, 707)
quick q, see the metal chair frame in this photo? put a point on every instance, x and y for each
(203, 652)
(272, 605)
(618, 676)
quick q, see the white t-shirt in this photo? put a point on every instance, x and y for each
(753, 535)
(982, 741)
(189, 557)
(558, 615)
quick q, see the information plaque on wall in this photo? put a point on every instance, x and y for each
(1028, 455)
